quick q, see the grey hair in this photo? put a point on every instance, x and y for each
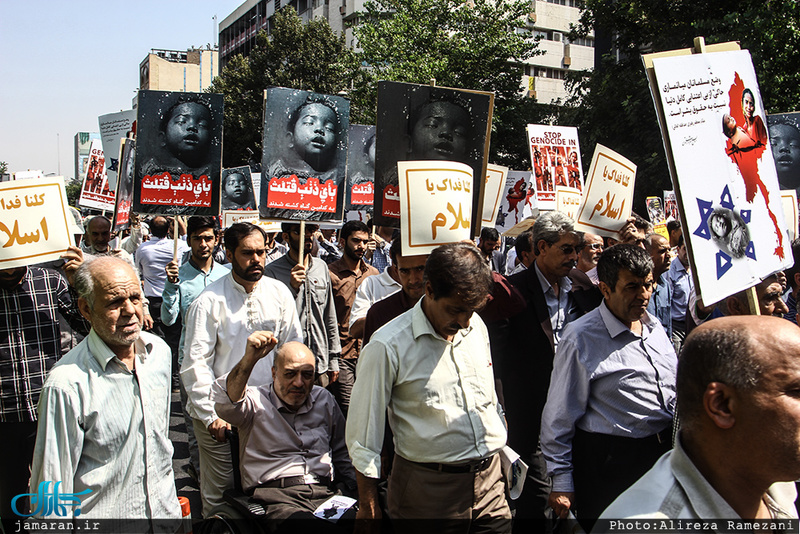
(551, 227)
(83, 282)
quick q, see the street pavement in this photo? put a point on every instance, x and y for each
(177, 434)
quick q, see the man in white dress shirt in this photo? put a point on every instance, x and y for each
(218, 324)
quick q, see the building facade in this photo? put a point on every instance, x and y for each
(543, 74)
(173, 70)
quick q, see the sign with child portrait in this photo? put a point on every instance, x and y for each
(714, 126)
(178, 153)
(237, 189)
(425, 123)
(360, 167)
(305, 155)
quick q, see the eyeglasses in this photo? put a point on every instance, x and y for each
(568, 249)
(594, 246)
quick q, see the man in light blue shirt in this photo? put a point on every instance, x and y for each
(180, 289)
(661, 301)
(681, 279)
(609, 410)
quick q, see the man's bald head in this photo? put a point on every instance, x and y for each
(293, 373)
(98, 233)
(731, 350)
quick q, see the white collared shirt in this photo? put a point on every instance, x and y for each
(440, 395)
(105, 428)
(217, 326)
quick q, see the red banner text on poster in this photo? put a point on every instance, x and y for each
(391, 201)
(163, 190)
(362, 194)
(289, 193)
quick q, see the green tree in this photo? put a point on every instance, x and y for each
(300, 56)
(73, 190)
(3, 167)
(468, 45)
(612, 104)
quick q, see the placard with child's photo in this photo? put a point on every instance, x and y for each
(237, 189)
(360, 167)
(178, 153)
(424, 123)
(305, 155)
(124, 196)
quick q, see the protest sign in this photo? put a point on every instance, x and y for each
(427, 123)
(608, 195)
(95, 192)
(789, 201)
(122, 208)
(230, 217)
(113, 128)
(360, 167)
(492, 193)
(555, 159)
(178, 153)
(237, 189)
(518, 202)
(671, 206)
(784, 136)
(34, 221)
(305, 155)
(713, 127)
(655, 210)
(435, 204)
(568, 199)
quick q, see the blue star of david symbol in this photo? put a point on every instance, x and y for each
(705, 209)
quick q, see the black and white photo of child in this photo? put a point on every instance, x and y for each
(237, 189)
(305, 136)
(421, 123)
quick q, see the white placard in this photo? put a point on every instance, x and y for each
(789, 201)
(34, 221)
(435, 204)
(608, 195)
(568, 199)
(230, 217)
(725, 174)
(493, 188)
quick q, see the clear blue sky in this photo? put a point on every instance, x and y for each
(64, 63)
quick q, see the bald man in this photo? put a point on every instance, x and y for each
(738, 449)
(104, 410)
(291, 432)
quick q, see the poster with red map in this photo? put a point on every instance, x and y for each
(724, 170)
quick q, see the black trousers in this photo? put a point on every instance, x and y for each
(16, 454)
(171, 334)
(604, 466)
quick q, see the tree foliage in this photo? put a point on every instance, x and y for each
(300, 56)
(3, 167)
(468, 45)
(612, 105)
(73, 191)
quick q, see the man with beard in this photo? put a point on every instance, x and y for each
(347, 273)
(611, 401)
(526, 345)
(218, 324)
(104, 410)
(310, 283)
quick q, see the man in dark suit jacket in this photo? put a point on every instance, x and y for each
(526, 348)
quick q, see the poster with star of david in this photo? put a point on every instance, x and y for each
(724, 174)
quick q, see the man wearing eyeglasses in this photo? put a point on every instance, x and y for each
(526, 350)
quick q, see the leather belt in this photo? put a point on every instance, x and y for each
(475, 466)
(299, 480)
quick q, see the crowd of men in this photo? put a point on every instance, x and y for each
(343, 366)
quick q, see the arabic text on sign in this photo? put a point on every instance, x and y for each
(289, 193)
(163, 190)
